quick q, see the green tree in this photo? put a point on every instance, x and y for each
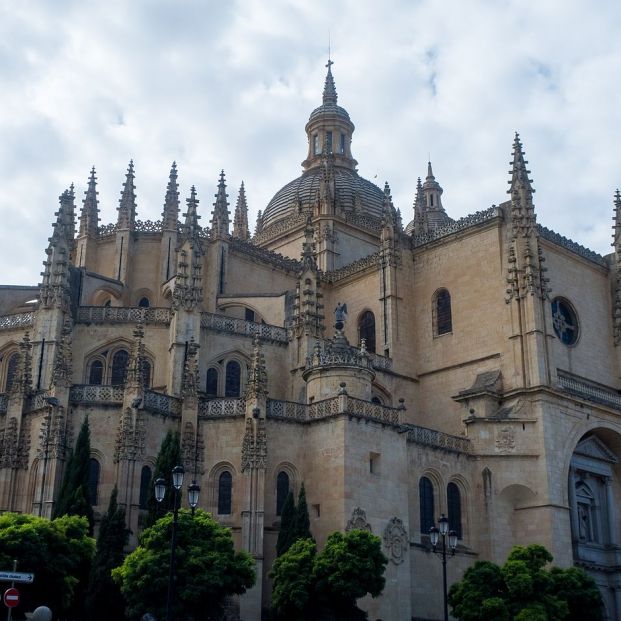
(208, 569)
(325, 586)
(58, 552)
(74, 497)
(524, 589)
(301, 523)
(286, 534)
(168, 457)
(104, 600)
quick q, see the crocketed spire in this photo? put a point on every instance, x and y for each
(220, 214)
(329, 90)
(127, 204)
(521, 191)
(170, 214)
(240, 222)
(191, 228)
(388, 209)
(258, 227)
(89, 217)
(616, 242)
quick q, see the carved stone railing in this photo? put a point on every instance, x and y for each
(437, 439)
(148, 226)
(221, 408)
(232, 325)
(38, 400)
(90, 393)
(4, 402)
(161, 404)
(590, 391)
(364, 221)
(18, 320)
(287, 410)
(381, 363)
(372, 411)
(324, 408)
(360, 265)
(107, 229)
(123, 314)
(349, 358)
(268, 256)
(278, 228)
(559, 240)
(457, 225)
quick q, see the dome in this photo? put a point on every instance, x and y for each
(329, 108)
(304, 190)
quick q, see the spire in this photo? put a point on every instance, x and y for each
(521, 191)
(432, 192)
(127, 204)
(388, 209)
(329, 90)
(240, 223)
(258, 227)
(66, 216)
(170, 214)
(220, 214)
(419, 209)
(191, 228)
(616, 242)
(89, 217)
(616, 238)
(519, 175)
(256, 384)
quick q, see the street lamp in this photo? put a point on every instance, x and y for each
(434, 534)
(160, 492)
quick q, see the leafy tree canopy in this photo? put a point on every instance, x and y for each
(58, 552)
(523, 589)
(208, 569)
(311, 586)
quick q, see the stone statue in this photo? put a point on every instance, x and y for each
(340, 312)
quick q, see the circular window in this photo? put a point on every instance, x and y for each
(564, 321)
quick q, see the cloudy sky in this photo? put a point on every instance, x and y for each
(230, 85)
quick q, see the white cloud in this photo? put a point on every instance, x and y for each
(230, 85)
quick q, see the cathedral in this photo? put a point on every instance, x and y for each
(402, 370)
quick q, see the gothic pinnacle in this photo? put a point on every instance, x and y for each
(127, 203)
(430, 176)
(519, 173)
(89, 217)
(170, 214)
(220, 214)
(191, 226)
(240, 222)
(258, 227)
(617, 223)
(329, 90)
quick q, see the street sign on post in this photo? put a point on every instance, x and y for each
(13, 576)
(11, 597)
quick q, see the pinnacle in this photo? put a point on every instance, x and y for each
(430, 176)
(170, 214)
(127, 203)
(89, 216)
(519, 173)
(329, 90)
(191, 216)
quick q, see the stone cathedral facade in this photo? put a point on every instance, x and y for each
(463, 367)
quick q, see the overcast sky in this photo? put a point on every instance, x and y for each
(230, 85)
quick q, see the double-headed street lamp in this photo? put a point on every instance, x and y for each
(160, 492)
(434, 534)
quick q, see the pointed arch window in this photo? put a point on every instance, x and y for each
(282, 489)
(232, 379)
(366, 330)
(225, 493)
(145, 486)
(144, 302)
(212, 383)
(453, 501)
(443, 318)
(95, 374)
(11, 371)
(425, 495)
(119, 367)
(93, 481)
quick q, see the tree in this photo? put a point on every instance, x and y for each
(74, 497)
(58, 552)
(286, 534)
(208, 569)
(523, 589)
(104, 600)
(168, 457)
(325, 586)
(301, 523)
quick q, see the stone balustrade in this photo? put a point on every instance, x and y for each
(589, 390)
(91, 393)
(287, 410)
(159, 403)
(17, 321)
(437, 439)
(232, 325)
(221, 408)
(123, 314)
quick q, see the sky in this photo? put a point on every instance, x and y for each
(230, 85)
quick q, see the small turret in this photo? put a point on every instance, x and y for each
(127, 203)
(89, 217)
(220, 215)
(432, 192)
(240, 222)
(170, 214)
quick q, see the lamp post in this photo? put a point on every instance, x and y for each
(160, 492)
(434, 534)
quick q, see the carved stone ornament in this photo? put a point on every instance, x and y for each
(396, 540)
(505, 439)
(358, 521)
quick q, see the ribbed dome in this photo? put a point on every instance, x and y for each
(329, 108)
(304, 190)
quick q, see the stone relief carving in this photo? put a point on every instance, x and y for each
(358, 520)
(396, 540)
(505, 439)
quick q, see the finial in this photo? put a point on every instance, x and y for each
(429, 171)
(329, 90)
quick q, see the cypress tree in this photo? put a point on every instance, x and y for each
(286, 534)
(168, 457)
(74, 497)
(301, 524)
(104, 600)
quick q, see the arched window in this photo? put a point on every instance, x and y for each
(376, 400)
(146, 373)
(212, 383)
(453, 501)
(282, 489)
(233, 379)
(95, 374)
(442, 309)
(145, 486)
(366, 330)
(93, 480)
(144, 302)
(119, 367)
(11, 370)
(425, 494)
(225, 493)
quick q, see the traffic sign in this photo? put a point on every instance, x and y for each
(11, 597)
(13, 576)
